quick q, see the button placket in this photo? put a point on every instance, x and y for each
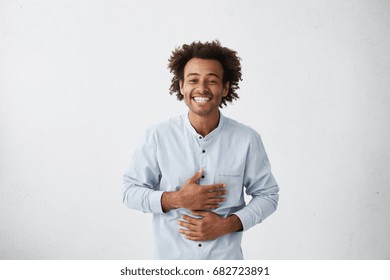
(202, 161)
(202, 157)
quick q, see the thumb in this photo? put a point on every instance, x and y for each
(197, 175)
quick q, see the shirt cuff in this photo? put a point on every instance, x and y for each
(246, 217)
(155, 202)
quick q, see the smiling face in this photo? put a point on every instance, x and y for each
(203, 86)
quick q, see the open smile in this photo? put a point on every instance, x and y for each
(200, 99)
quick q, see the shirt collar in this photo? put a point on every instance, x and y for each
(209, 136)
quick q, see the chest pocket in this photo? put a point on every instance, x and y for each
(234, 182)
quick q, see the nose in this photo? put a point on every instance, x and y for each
(202, 89)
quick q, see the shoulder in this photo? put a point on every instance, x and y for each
(243, 135)
(240, 129)
(165, 126)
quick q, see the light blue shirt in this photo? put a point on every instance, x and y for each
(171, 153)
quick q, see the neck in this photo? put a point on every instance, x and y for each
(204, 124)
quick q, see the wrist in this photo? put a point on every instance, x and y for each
(169, 201)
(233, 224)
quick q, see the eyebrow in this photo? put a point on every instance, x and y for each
(209, 74)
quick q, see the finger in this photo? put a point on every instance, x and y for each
(186, 232)
(211, 204)
(214, 187)
(197, 176)
(188, 226)
(217, 195)
(211, 207)
(194, 238)
(189, 219)
(200, 213)
(215, 202)
(191, 235)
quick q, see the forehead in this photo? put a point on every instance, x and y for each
(203, 67)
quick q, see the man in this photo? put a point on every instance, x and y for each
(191, 171)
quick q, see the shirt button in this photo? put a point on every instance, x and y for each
(202, 176)
(200, 137)
(203, 151)
(199, 245)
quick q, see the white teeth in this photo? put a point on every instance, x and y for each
(201, 99)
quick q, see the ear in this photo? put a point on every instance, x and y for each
(181, 86)
(226, 89)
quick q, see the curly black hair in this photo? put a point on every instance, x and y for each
(208, 50)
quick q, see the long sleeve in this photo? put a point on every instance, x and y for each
(141, 179)
(170, 154)
(260, 184)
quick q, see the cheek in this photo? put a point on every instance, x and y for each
(186, 91)
(186, 94)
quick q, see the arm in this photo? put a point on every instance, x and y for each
(143, 175)
(193, 196)
(260, 184)
(209, 227)
(141, 179)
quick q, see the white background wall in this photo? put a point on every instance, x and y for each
(80, 81)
